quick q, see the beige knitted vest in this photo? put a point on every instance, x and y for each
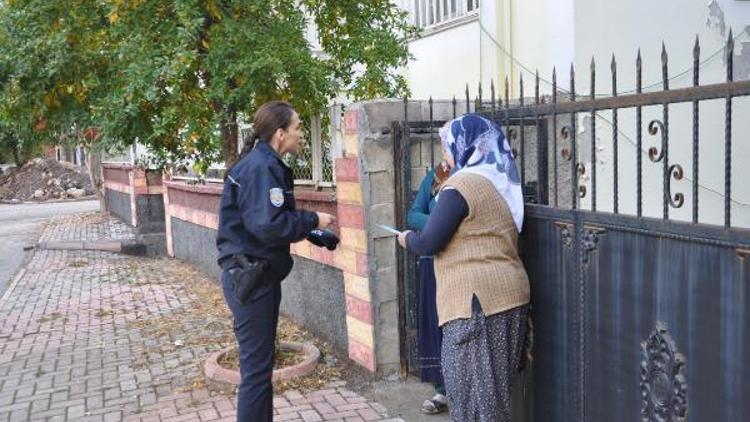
(482, 257)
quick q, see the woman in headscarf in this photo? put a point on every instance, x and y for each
(482, 287)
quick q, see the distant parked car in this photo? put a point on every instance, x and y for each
(5, 167)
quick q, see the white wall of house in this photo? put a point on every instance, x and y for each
(447, 55)
(444, 62)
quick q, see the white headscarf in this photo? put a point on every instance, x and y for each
(479, 146)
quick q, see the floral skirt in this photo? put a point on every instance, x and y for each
(480, 356)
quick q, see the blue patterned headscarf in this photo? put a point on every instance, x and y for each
(479, 146)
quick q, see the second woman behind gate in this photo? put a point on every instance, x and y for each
(429, 337)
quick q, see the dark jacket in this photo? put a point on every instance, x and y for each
(257, 217)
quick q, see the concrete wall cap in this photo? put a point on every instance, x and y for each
(209, 188)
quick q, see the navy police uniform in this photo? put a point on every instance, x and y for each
(258, 219)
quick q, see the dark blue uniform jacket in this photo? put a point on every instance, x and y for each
(257, 217)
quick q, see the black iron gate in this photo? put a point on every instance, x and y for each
(635, 317)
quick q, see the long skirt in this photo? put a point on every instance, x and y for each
(480, 355)
(429, 336)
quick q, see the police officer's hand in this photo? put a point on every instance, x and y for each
(325, 220)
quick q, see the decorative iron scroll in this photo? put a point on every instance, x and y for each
(656, 126)
(566, 236)
(589, 244)
(565, 135)
(676, 172)
(581, 169)
(663, 384)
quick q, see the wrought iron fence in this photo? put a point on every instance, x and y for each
(612, 269)
(560, 169)
(313, 164)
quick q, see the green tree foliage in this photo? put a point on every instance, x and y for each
(178, 74)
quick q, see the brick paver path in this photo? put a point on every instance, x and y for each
(78, 343)
(89, 226)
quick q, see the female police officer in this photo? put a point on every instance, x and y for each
(257, 222)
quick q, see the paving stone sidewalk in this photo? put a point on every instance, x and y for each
(81, 340)
(90, 226)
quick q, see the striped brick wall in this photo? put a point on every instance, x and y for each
(359, 301)
(197, 204)
(132, 181)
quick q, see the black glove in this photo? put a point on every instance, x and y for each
(323, 238)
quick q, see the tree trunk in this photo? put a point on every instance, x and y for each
(17, 157)
(229, 135)
(94, 167)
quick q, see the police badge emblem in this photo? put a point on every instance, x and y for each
(277, 197)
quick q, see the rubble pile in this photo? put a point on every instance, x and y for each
(44, 179)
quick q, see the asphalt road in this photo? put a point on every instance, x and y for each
(21, 224)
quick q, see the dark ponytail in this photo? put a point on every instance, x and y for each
(269, 118)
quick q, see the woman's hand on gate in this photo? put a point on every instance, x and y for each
(402, 238)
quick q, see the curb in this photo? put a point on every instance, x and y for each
(12, 286)
(51, 201)
(215, 372)
(128, 247)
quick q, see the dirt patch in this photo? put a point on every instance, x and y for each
(283, 359)
(330, 368)
(43, 179)
(207, 319)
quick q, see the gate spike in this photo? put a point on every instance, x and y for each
(554, 84)
(696, 60)
(664, 66)
(454, 106)
(613, 68)
(638, 71)
(572, 82)
(492, 93)
(480, 93)
(507, 92)
(520, 84)
(593, 78)
(730, 56)
(536, 87)
(468, 109)
(696, 47)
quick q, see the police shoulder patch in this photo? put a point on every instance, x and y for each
(277, 197)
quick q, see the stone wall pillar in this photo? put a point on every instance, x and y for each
(135, 195)
(353, 256)
(369, 156)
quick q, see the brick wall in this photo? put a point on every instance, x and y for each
(319, 278)
(142, 188)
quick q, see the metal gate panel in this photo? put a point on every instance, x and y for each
(686, 293)
(546, 248)
(634, 318)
